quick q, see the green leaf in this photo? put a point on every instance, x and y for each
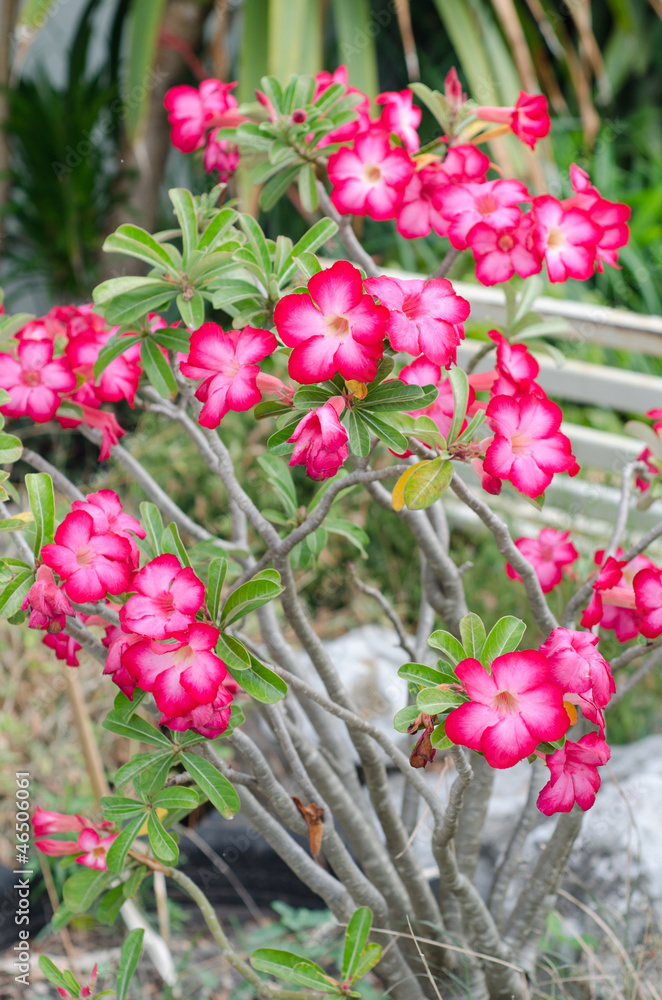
(316, 237)
(136, 729)
(308, 188)
(110, 905)
(217, 569)
(280, 478)
(428, 482)
(14, 593)
(233, 653)
(313, 395)
(249, 597)
(504, 637)
(61, 918)
(394, 395)
(358, 433)
(307, 551)
(389, 434)
(18, 523)
(260, 682)
(470, 432)
(217, 229)
(51, 972)
(257, 243)
(42, 504)
(282, 965)
(115, 347)
(192, 310)
(404, 718)
(125, 707)
(314, 977)
(434, 701)
(142, 32)
(177, 797)
(270, 408)
(153, 778)
(218, 789)
(82, 888)
(472, 633)
(117, 807)
(136, 242)
(448, 645)
(278, 443)
(141, 762)
(153, 525)
(172, 543)
(157, 369)
(120, 847)
(368, 958)
(11, 449)
(184, 206)
(173, 338)
(347, 529)
(438, 737)
(128, 963)
(162, 843)
(130, 887)
(356, 938)
(460, 387)
(420, 673)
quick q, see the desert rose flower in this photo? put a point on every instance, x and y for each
(577, 667)
(182, 674)
(220, 155)
(35, 382)
(647, 586)
(209, 719)
(85, 991)
(566, 238)
(167, 599)
(494, 202)
(417, 215)
(574, 775)
(94, 848)
(400, 116)
(613, 604)
(549, 554)
(501, 252)
(116, 643)
(228, 363)
(91, 565)
(529, 119)
(516, 369)
(320, 440)
(105, 509)
(453, 91)
(362, 122)
(119, 380)
(528, 447)
(511, 710)
(369, 178)
(45, 822)
(611, 216)
(335, 328)
(192, 111)
(47, 603)
(423, 372)
(64, 647)
(491, 484)
(425, 317)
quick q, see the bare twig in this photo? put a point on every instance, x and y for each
(406, 640)
(346, 234)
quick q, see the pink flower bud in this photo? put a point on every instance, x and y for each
(47, 602)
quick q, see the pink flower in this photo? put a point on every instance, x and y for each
(64, 647)
(528, 447)
(91, 565)
(529, 119)
(228, 364)
(424, 372)
(491, 484)
(35, 382)
(501, 252)
(166, 601)
(117, 642)
(400, 116)
(576, 666)
(511, 710)
(516, 369)
(647, 586)
(56, 848)
(370, 178)
(119, 380)
(465, 165)
(45, 822)
(191, 112)
(611, 216)
(48, 604)
(613, 604)
(574, 775)
(465, 205)
(336, 328)
(210, 719)
(105, 509)
(95, 849)
(549, 554)
(425, 317)
(417, 215)
(182, 675)
(566, 238)
(453, 91)
(320, 440)
(220, 155)
(85, 991)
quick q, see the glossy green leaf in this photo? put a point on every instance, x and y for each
(136, 242)
(82, 888)
(157, 369)
(358, 433)
(452, 649)
(438, 737)
(280, 479)
(217, 569)
(218, 789)
(260, 682)
(110, 904)
(421, 673)
(504, 637)
(394, 395)
(118, 807)
(312, 395)
(177, 797)
(460, 388)
(428, 482)
(347, 529)
(356, 938)
(435, 701)
(192, 310)
(387, 433)
(367, 960)
(39, 486)
(14, 593)
(249, 597)
(163, 844)
(136, 729)
(11, 449)
(120, 847)
(128, 963)
(172, 544)
(139, 763)
(184, 206)
(52, 973)
(405, 717)
(153, 524)
(308, 188)
(113, 349)
(472, 633)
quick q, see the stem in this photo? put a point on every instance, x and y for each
(406, 640)
(60, 481)
(450, 257)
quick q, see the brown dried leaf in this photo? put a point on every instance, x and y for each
(313, 815)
